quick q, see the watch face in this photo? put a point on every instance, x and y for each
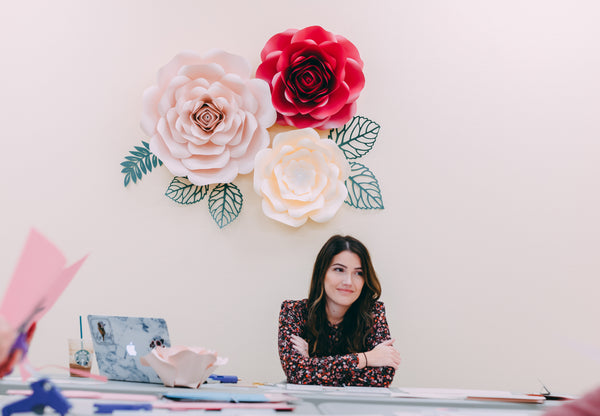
(82, 358)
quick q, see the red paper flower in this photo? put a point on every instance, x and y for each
(314, 75)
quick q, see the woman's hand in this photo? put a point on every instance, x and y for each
(300, 345)
(7, 337)
(384, 355)
(11, 357)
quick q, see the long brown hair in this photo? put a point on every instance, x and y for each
(358, 320)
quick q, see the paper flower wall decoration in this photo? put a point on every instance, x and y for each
(209, 122)
(302, 176)
(207, 118)
(356, 139)
(315, 77)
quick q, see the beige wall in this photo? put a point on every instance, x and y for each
(488, 158)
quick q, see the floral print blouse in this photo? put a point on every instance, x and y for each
(333, 370)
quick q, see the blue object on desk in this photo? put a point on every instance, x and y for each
(216, 396)
(223, 379)
(44, 394)
(111, 407)
(21, 344)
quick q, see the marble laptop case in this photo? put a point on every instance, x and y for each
(120, 341)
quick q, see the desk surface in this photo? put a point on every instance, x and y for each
(307, 400)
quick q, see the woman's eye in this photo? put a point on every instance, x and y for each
(338, 269)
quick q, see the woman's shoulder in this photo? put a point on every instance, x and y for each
(293, 310)
(378, 308)
(294, 305)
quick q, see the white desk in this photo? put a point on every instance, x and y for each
(328, 401)
(344, 403)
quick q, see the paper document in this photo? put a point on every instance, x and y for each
(465, 394)
(39, 279)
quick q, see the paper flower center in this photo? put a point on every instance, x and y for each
(310, 79)
(299, 176)
(207, 116)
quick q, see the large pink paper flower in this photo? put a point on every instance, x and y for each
(301, 177)
(207, 118)
(315, 77)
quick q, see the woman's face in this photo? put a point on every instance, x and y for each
(343, 280)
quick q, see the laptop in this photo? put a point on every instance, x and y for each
(120, 341)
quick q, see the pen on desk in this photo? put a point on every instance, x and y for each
(111, 407)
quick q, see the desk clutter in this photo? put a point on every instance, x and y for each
(44, 393)
(65, 395)
(139, 349)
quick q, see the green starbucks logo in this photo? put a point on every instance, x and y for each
(82, 358)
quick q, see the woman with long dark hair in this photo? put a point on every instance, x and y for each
(339, 335)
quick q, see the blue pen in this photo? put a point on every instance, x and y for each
(111, 407)
(223, 379)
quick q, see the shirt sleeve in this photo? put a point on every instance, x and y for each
(330, 370)
(374, 376)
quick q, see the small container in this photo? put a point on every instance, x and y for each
(81, 356)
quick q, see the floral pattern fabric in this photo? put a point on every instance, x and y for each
(333, 370)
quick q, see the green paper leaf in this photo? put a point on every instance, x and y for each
(141, 162)
(356, 138)
(363, 188)
(184, 192)
(225, 203)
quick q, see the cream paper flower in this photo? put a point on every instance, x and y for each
(206, 117)
(302, 176)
